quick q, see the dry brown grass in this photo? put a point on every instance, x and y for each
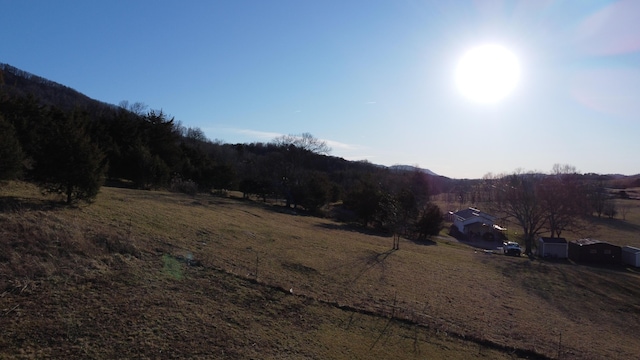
(155, 274)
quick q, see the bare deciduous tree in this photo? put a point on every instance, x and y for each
(598, 197)
(306, 141)
(517, 197)
(138, 108)
(297, 149)
(563, 198)
(624, 210)
(610, 209)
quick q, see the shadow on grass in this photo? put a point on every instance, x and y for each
(423, 242)
(555, 281)
(370, 261)
(617, 224)
(373, 232)
(482, 244)
(131, 193)
(354, 228)
(13, 203)
(476, 242)
(362, 265)
(272, 206)
(119, 183)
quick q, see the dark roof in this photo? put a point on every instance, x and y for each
(469, 213)
(466, 213)
(549, 240)
(589, 241)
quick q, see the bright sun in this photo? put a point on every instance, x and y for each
(487, 73)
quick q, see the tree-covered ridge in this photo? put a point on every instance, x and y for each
(20, 83)
(70, 144)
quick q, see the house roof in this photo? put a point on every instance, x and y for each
(549, 240)
(466, 213)
(589, 241)
(469, 213)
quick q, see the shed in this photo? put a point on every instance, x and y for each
(594, 251)
(555, 248)
(631, 256)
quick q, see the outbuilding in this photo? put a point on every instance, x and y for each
(631, 256)
(554, 248)
(594, 251)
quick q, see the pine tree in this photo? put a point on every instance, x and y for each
(10, 151)
(67, 162)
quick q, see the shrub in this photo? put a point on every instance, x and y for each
(188, 186)
(430, 221)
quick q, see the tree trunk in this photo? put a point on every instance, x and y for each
(528, 242)
(69, 193)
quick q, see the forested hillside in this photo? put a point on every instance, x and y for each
(70, 144)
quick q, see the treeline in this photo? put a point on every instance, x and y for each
(73, 150)
(540, 203)
(70, 144)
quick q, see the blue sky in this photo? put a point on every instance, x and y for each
(375, 79)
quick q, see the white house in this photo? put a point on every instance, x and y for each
(473, 222)
(556, 248)
(631, 256)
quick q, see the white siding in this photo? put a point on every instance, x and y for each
(631, 256)
(553, 250)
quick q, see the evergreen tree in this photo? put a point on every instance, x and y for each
(430, 221)
(26, 115)
(313, 191)
(148, 170)
(67, 162)
(161, 136)
(10, 151)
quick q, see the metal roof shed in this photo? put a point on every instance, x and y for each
(594, 251)
(554, 248)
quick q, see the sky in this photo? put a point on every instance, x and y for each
(374, 79)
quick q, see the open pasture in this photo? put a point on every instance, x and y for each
(141, 274)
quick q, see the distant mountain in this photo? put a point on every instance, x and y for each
(412, 168)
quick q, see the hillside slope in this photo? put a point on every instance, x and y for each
(20, 83)
(155, 274)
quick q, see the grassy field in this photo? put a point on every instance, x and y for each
(142, 274)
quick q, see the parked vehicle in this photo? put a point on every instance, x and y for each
(511, 248)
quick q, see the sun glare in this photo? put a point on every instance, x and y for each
(487, 73)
